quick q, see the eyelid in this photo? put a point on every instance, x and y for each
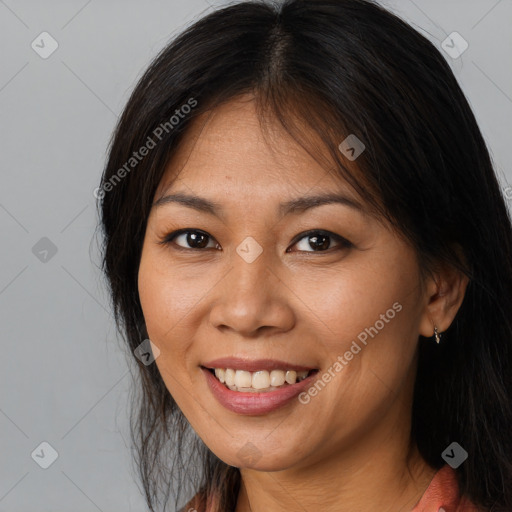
(170, 237)
(343, 242)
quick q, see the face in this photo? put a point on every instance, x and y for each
(325, 287)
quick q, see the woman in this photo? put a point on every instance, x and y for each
(301, 214)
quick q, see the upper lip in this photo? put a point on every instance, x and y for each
(254, 365)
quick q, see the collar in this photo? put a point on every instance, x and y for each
(442, 494)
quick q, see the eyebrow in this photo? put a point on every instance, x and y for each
(292, 206)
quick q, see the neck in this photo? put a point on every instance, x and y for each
(358, 479)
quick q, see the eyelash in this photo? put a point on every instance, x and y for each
(344, 243)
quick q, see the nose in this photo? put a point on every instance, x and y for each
(252, 299)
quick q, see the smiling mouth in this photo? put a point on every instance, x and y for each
(259, 381)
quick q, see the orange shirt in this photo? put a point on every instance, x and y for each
(442, 495)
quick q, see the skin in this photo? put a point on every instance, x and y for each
(348, 448)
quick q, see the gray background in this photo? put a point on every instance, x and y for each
(64, 378)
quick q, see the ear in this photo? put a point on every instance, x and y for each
(444, 293)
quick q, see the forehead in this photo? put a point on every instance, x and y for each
(227, 148)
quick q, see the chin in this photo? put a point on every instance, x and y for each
(261, 459)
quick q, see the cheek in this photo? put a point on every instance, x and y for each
(370, 321)
(171, 301)
(164, 295)
(350, 300)
(160, 305)
(162, 309)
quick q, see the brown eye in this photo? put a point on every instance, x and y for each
(189, 239)
(320, 241)
(311, 241)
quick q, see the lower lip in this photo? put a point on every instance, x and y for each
(255, 403)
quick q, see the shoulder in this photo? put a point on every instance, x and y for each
(443, 494)
(196, 504)
(188, 508)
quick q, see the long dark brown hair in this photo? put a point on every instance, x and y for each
(332, 68)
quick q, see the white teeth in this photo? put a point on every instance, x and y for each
(277, 378)
(260, 380)
(291, 376)
(229, 376)
(243, 379)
